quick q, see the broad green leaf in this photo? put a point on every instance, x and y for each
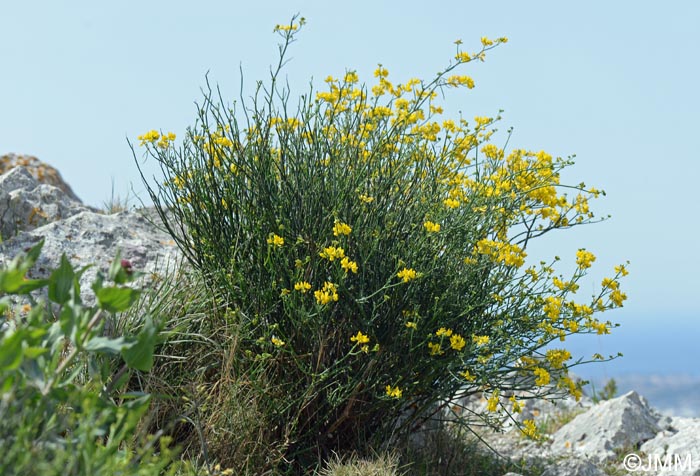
(140, 355)
(68, 321)
(61, 282)
(34, 352)
(116, 299)
(33, 254)
(115, 267)
(11, 352)
(105, 345)
(13, 281)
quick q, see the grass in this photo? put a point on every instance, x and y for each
(381, 465)
(115, 203)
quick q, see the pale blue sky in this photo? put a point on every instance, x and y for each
(615, 83)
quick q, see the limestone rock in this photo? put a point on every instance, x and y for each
(573, 467)
(93, 238)
(41, 171)
(678, 442)
(618, 424)
(30, 212)
(26, 204)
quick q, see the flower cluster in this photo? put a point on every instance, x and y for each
(328, 293)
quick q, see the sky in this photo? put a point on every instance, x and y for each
(615, 83)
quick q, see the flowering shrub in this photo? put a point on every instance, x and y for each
(373, 256)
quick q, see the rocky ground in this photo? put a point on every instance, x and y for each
(620, 436)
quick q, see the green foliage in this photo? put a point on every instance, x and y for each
(371, 261)
(115, 204)
(609, 391)
(62, 412)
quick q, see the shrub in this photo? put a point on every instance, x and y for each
(373, 258)
(609, 391)
(63, 408)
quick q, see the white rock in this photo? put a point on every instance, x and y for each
(677, 445)
(30, 212)
(616, 424)
(26, 204)
(573, 467)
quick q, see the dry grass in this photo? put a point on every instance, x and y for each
(381, 465)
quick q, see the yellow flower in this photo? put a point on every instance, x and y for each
(327, 294)
(492, 404)
(621, 270)
(435, 348)
(302, 286)
(542, 376)
(431, 227)
(411, 325)
(517, 406)
(530, 430)
(552, 307)
(600, 327)
(468, 376)
(617, 297)
(575, 389)
(341, 228)
(584, 258)
(457, 342)
(480, 340)
(277, 342)
(366, 198)
(360, 338)
(463, 57)
(443, 332)
(557, 357)
(149, 137)
(287, 28)
(451, 203)
(351, 77)
(331, 253)
(457, 80)
(348, 265)
(165, 140)
(610, 283)
(393, 392)
(275, 240)
(407, 274)
(223, 141)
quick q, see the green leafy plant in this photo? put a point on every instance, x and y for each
(63, 405)
(372, 259)
(609, 391)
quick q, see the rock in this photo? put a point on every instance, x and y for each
(573, 467)
(41, 171)
(26, 204)
(677, 442)
(92, 238)
(618, 424)
(85, 237)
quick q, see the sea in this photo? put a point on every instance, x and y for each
(660, 361)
